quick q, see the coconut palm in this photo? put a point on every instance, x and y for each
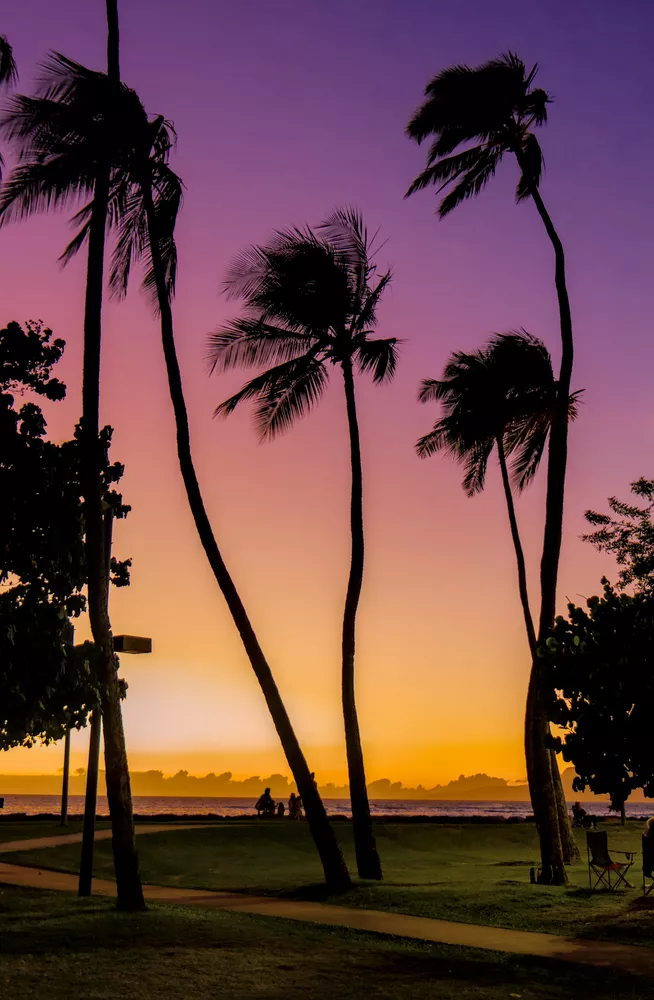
(311, 298)
(499, 398)
(144, 206)
(477, 116)
(73, 140)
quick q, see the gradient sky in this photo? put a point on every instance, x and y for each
(283, 111)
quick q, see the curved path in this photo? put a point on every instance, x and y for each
(604, 954)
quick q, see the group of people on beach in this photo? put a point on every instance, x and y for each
(266, 806)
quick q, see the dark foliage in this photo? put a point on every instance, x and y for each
(628, 534)
(600, 662)
(44, 686)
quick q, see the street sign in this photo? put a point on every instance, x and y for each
(132, 644)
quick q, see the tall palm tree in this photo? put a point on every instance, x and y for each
(73, 141)
(311, 300)
(498, 398)
(475, 117)
(144, 204)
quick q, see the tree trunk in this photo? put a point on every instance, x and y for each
(90, 805)
(128, 883)
(623, 814)
(63, 821)
(568, 843)
(546, 801)
(336, 874)
(368, 863)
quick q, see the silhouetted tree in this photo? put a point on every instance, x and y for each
(600, 662)
(311, 299)
(144, 204)
(628, 534)
(73, 139)
(476, 116)
(46, 686)
(498, 398)
(8, 72)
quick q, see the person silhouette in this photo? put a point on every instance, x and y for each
(265, 804)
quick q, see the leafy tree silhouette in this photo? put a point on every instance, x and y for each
(311, 298)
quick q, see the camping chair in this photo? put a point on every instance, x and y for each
(601, 865)
(648, 864)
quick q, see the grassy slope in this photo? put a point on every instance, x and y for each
(478, 874)
(57, 947)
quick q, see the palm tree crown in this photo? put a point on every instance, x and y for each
(489, 110)
(505, 392)
(311, 297)
(78, 121)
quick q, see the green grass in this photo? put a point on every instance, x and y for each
(27, 829)
(57, 947)
(476, 874)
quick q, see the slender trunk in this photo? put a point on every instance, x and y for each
(517, 544)
(623, 814)
(128, 883)
(539, 763)
(336, 874)
(90, 804)
(568, 843)
(64, 782)
(368, 863)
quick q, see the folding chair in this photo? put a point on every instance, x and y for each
(601, 865)
(648, 864)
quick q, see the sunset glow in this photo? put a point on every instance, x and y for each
(281, 115)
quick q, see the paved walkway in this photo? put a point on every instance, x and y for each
(604, 954)
(76, 838)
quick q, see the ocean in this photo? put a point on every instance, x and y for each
(33, 805)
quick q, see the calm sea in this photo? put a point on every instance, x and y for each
(150, 806)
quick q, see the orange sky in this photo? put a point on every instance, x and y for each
(441, 659)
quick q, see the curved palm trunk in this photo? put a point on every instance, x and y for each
(336, 874)
(128, 883)
(544, 779)
(568, 843)
(368, 863)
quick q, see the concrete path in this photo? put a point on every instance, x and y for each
(76, 838)
(603, 954)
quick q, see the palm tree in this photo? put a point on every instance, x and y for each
(311, 300)
(476, 116)
(144, 205)
(73, 140)
(498, 398)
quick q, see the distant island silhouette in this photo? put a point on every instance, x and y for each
(474, 787)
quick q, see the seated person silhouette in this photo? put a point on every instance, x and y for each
(265, 804)
(281, 809)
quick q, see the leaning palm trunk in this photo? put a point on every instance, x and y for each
(368, 863)
(568, 843)
(544, 779)
(336, 873)
(128, 883)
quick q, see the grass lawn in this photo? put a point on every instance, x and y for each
(28, 829)
(57, 947)
(477, 874)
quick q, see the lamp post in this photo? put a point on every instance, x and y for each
(122, 644)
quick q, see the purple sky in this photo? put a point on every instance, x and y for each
(283, 111)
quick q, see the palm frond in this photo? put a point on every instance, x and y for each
(378, 357)
(291, 398)
(346, 232)
(472, 182)
(368, 303)
(8, 68)
(284, 393)
(37, 187)
(253, 343)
